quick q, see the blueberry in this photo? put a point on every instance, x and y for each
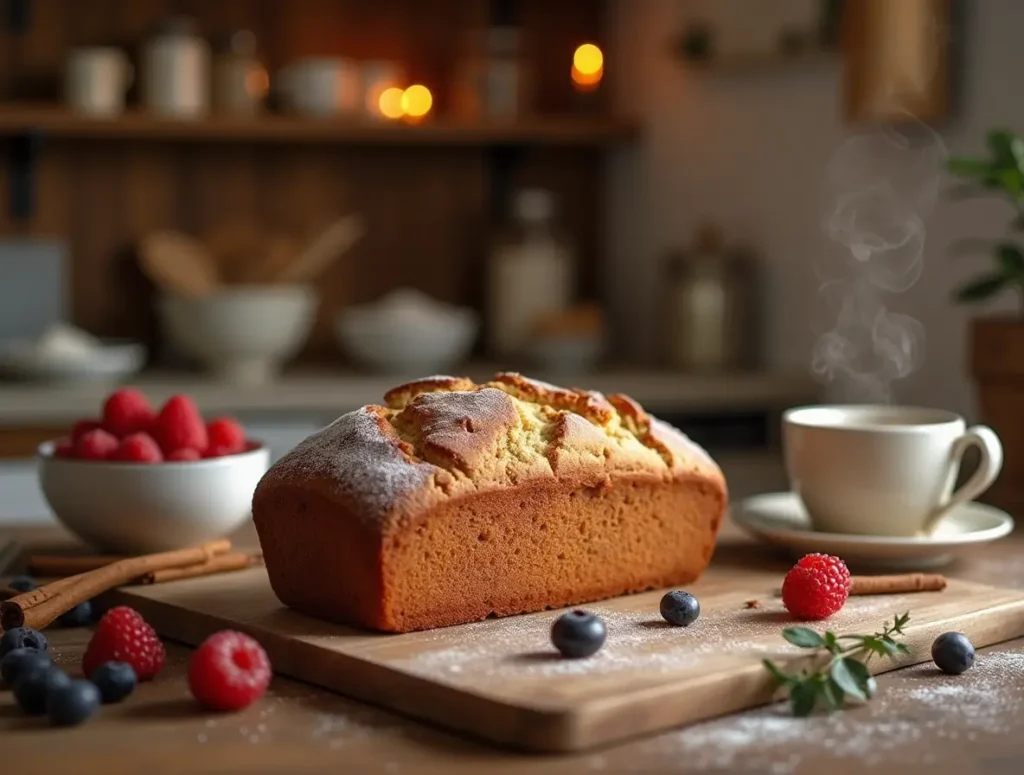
(680, 608)
(23, 583)
(21, 638)
(115, 680)
(578, 634)
(952, 653)
(72, 703)
(79, 616)
(20, 661)
(32, 688)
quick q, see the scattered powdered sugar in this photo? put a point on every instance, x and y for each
(520, 646)
(920, 703)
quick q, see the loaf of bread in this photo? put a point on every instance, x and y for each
(457, 501)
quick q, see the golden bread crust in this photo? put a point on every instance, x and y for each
(408, 473)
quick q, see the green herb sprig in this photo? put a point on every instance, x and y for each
(845, 675)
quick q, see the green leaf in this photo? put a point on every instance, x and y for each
(1011, 258)
(846, 680)
(833, 695)
(968, 168)
(979, 290)
(1000, 142)
(900, 622)
(861, 675)
(802, 698)
(831, 642)
(781, 678)
(902, 648)
(803, 637)
(1011, 180)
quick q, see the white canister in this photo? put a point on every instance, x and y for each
(320, 87)
(96, 80)
(176, 72)
(530, 275)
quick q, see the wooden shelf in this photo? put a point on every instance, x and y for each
(554, 130)
(751, 64)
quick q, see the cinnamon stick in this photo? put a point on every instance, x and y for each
(41, 606)
(55, 566)
(896, 584)
(225, 563)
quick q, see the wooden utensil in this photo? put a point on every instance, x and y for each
(326, 248)
(236, 247)
(277, 253)
(501, 679)
(178, 264)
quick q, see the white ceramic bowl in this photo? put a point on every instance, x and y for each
(243, 334)
(114, 362)
(136, 508)
(395, 347)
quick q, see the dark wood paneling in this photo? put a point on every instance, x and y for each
(426, 208)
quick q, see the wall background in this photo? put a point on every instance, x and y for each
(751, 151)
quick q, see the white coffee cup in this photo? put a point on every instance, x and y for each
(96, 80)
(883, 470)
(320, 87)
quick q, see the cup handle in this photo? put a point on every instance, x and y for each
(991, 449)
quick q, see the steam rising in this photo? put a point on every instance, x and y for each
(883, 183)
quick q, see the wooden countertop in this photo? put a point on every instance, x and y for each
(919, 721)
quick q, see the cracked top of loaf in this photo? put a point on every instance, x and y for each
(443, 437)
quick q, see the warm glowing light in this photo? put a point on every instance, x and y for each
(390, 102)
(588, 59)
(417, 101)
(587, 81)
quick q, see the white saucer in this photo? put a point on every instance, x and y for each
(779, 518)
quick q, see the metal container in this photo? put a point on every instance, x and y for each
(709, 310)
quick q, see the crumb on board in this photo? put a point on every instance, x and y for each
(752, 604)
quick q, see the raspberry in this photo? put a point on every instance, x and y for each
(82, 427)
(122, 635)
(226, 434)
(816, 587)
(96, 445)
(218, 451)
(180, 425)
(126, 411)
(64, 448)
(229, 671)
(183, 455)
(139, 448)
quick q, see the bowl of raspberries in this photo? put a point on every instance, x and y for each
(140, 479)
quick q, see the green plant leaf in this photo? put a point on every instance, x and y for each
(781, 678)
(846, 680)
(982, 289)
(1011, 258)
(803, 637)
(831, 642)
(1000, 142)
(861, 675)
(833, 695)
(802, 698)
(968, 168)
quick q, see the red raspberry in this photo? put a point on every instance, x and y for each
(816, 587)
(229, 671)
(122, 635)
(63, 448)
(180, 425)
(139, 448)
(82, 427)
(226, 434)
(183, 455)
(218, 451)
(96, 445)
(126, 411)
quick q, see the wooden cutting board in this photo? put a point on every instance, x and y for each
(500, 679)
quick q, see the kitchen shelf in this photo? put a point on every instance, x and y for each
(752, 64)
(548, 130)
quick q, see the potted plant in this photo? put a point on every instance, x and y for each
(997, 343)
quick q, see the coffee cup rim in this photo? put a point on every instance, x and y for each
(858, 417)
